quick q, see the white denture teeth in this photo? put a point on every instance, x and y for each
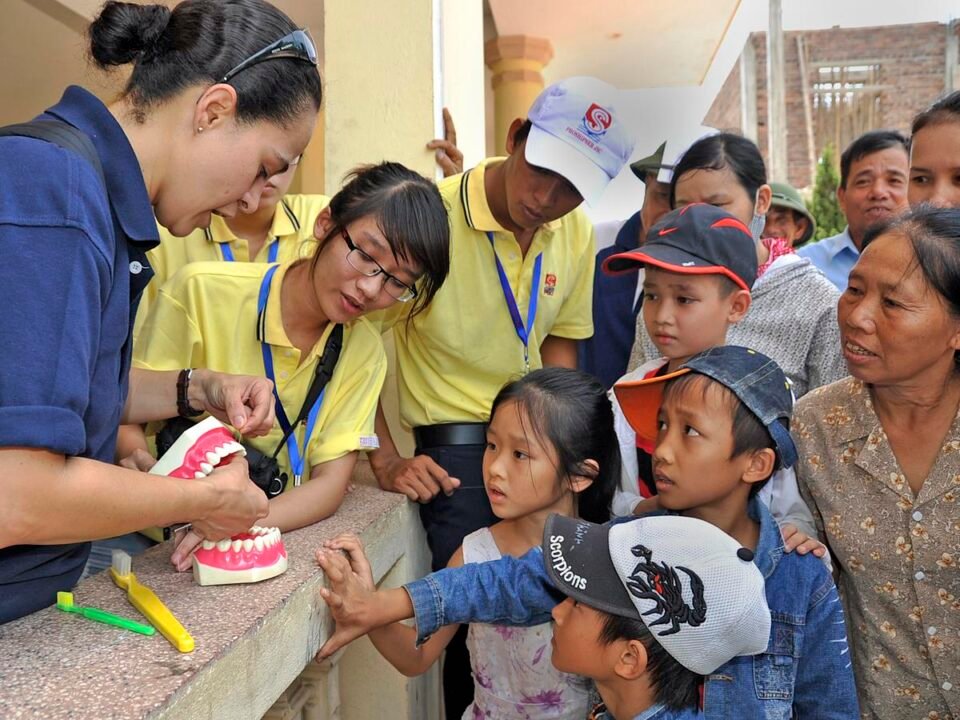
(248, 544)
(258, 543)
(206, 468)
(209, 545)
(221, 451)
(213, 458)
(255, 530)
(198, 475)
(223, 545)
(236, 545)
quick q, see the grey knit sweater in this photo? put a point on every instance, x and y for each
(792, 319)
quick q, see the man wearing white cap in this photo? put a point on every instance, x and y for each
(518, 297)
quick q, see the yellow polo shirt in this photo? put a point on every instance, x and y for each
(206, 316)
(292, 228)
(454, 357)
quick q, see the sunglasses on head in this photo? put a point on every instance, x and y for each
(297, 45)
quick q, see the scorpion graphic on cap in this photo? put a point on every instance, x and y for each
(660, 583)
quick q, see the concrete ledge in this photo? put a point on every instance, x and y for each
(252, 641)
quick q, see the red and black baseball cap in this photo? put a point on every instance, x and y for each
(697, 239)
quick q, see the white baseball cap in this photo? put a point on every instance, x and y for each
(696, 589)
(578, 133)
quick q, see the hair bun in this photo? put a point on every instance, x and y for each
(124, 31)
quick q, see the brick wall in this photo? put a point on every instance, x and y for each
(725, 112)
(912, 70)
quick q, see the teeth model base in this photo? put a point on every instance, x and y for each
(258, 554)
(198, 451)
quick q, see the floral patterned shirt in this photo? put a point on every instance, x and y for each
(896, 553)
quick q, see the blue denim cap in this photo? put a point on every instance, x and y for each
(756, 380)
(578, 132)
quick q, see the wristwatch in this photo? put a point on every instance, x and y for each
(183, 403)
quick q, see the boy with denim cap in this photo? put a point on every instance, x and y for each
(651, 607)
(699, 266)
(721, 423)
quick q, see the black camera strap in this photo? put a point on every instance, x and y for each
(325, 368)
(61, 134)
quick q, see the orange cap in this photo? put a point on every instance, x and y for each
(640, 401)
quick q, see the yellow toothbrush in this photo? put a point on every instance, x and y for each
(144, 600)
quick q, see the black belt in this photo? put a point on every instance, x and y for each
(429, 436)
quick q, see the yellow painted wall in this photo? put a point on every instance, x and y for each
(380, 102)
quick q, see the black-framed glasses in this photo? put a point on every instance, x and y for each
(366, 265)
(297, 45)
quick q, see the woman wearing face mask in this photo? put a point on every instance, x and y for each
(793, 315)
(384, 239)
(223, 95)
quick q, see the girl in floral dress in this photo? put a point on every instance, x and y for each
(551, 448)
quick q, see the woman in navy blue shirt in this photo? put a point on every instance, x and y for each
(223, 95)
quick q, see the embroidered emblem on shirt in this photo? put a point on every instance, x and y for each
(550, 284)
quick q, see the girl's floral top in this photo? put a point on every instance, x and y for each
(513, 677)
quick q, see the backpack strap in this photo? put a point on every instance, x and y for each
(61, 134)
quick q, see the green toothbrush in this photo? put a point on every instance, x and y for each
(65, 603)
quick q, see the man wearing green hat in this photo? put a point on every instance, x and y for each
(616, 299)
(788, 217)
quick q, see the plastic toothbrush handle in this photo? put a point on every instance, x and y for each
(115, 620)
(146, 601)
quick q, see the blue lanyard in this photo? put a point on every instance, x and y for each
(523, 332)
(295, 454)
(271, 252)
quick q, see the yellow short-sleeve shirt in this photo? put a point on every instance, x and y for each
(206, 316)
(291, 232)
(454, 357)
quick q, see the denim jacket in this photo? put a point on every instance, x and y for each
(804, 673)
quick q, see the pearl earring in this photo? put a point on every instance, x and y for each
(199, 129)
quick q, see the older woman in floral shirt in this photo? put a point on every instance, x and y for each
(881, 467)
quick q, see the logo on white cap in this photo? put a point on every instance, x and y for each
(596, 121)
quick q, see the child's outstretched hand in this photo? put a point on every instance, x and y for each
(352, 547)
(351, 595)
(796, 539)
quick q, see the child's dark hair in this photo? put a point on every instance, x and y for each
(676, 686)
(410, 212)
(724, 150)
(571, 410)
(198, 42)
(749, 434)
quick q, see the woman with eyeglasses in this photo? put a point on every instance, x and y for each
(383, 239)
(223, 95)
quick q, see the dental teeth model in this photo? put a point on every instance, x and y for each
(198, 451)
(249, 557)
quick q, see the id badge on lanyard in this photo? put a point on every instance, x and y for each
(296, 454)
(523, 331)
